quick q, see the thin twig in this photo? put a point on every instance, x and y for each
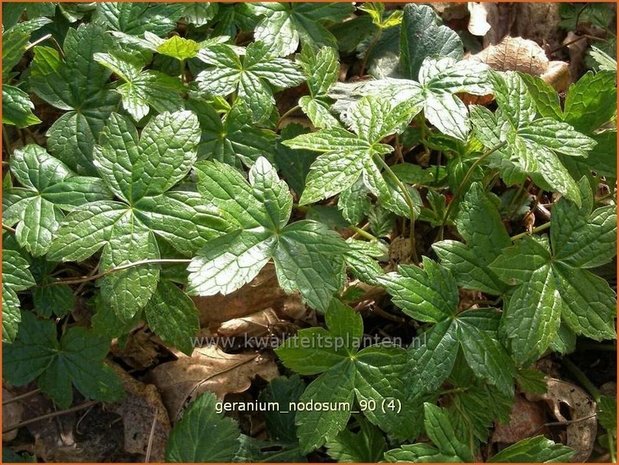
(158, 261)
(47, 416)
(151, 436)
(21, 397)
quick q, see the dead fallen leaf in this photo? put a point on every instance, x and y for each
(581, 424)
(209, 369)
(140, 351)
(518, 54)
(255, 325)
(89, 435)
(139, 408)
(539, 22)
(261, 293)
(526, 419)
(11, 414)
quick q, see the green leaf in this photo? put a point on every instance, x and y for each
(78, 86)
(17, 107)
(422, 37)
(429, 294)
(418, 453)
(532, 316)
(253, 76)
(142, 89)
(136, 18)
(16, 277)
(536, 449)
(49, 187)
(293, 164)
(76, 359)
(347, 155)
(321, 69)
(282, 26)
(233, 140)
(585, 107)
(164, 154)
(307, 256)
(432, 360)
(531, 145)
(203, 435)
(172, 315)
(365, 446)
(479, 223)
(374, 374)
(607, 413)
(485, 355)
(129, 290)
(441, 432)
(605, 62)
(282, 390)
(179, 48)
(15, 40)
(310, 259)
(335, 387)
(553, 285)
(85, 231)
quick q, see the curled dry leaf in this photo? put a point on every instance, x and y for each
(582, 421)
(257, 324)
(526, 419)
(209, 369)
(261, 293)
(518, 54)
(139, 408)
(140, 351)
(11, 414)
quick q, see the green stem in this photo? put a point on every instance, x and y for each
(409, 202)
(513, 205)
(541, 228)
(157, 261)
(364, 233)
(582, 379)
(182, 70)
(287, 114)
(463, 184)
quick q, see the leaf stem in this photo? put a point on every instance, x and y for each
(409, 203)
(363, 233)
(541, 228)
(286, 114)
(582, 379)
(8, 228)
(463, 184)
(157, 261)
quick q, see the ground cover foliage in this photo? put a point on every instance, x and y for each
(413, 205)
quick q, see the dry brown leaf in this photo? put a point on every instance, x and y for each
(518, 54)
(209, 369)
(140, 351)
(89, 435)
(539, 22)
(263, 292)
(139, 408)
(582, 432)
(525, 420)
(255, 325)
(11, 415)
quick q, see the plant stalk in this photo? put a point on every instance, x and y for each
(409, 203)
